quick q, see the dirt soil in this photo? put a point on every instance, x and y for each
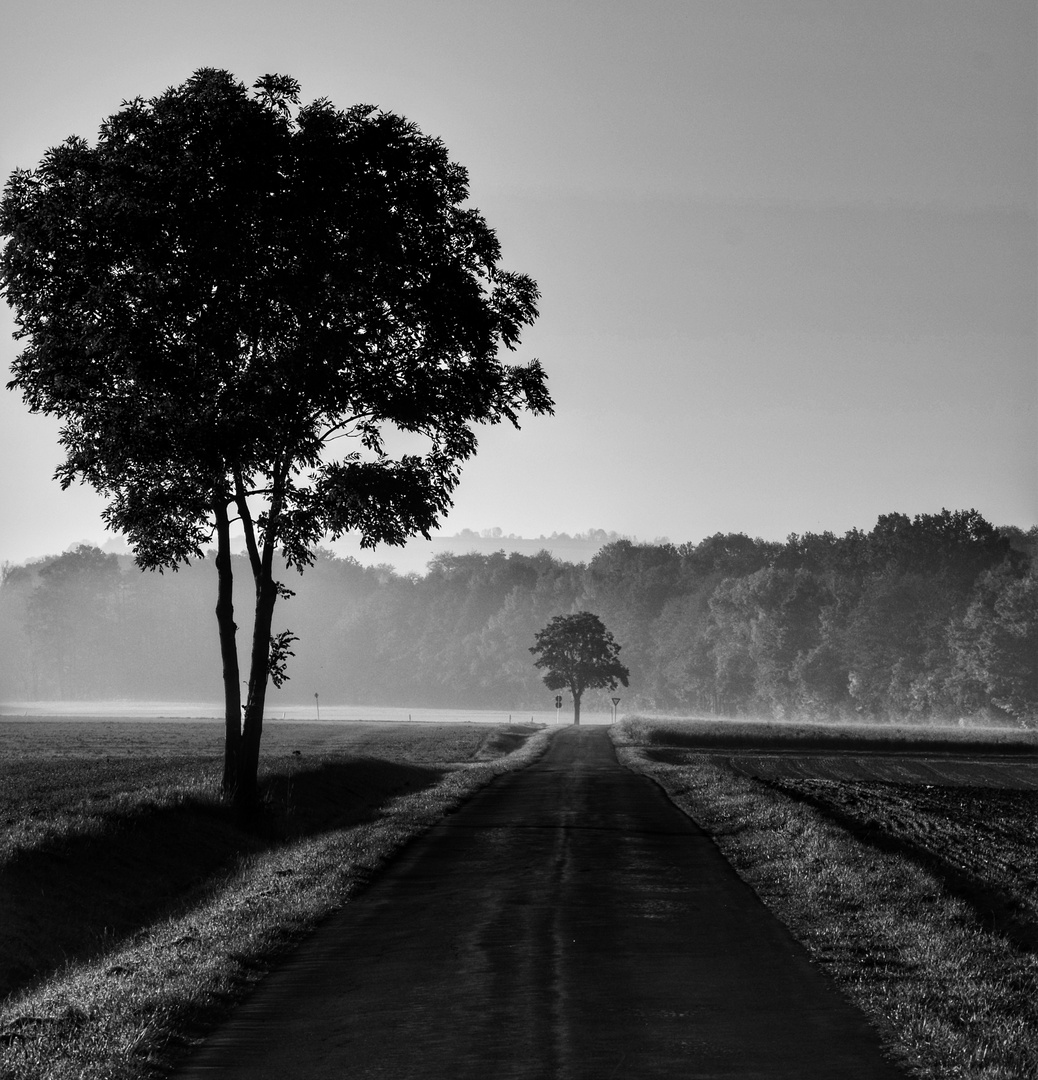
(567, 922)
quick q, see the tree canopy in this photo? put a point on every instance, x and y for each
(231, 301)
(579, 654)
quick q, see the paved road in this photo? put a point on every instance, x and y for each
(567, 923)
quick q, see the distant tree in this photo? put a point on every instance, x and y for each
(70, 620)
(629, 584)
(997, 642)
(222, 288)
(727, 554)
(580, 654)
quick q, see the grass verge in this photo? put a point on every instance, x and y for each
(134, 1008)
(952, 998)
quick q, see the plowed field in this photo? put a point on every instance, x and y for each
(914, 770)
(971, 820)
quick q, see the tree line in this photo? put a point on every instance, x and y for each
(931, 616)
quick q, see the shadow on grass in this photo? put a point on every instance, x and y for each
(71, 899)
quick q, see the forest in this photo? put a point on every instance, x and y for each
(931, 617)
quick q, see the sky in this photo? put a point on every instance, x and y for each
(787, 249)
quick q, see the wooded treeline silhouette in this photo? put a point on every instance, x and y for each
(934, 616)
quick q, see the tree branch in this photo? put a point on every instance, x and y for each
(242, 500)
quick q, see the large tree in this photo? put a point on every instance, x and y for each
(231, 301)
(580, 654)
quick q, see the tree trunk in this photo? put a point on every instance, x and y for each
(259, 668)
(228, 652)
(576, 707)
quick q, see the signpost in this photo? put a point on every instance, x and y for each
(558, 706)
(615, 701)
(317, 702)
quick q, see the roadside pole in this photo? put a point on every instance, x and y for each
(317, 702)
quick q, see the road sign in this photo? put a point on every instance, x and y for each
(616, 701)
(558, 701)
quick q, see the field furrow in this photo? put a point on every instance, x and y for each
(980, 842)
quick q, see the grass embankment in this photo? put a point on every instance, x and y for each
(919, 901)
(136, 911)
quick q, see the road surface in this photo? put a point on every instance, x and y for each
(568, 923)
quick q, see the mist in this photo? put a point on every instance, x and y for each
(918, 619)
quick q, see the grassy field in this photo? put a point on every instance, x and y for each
(904, 865)
(136, 911)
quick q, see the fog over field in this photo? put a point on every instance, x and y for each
(128, 712)
(931, 619)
